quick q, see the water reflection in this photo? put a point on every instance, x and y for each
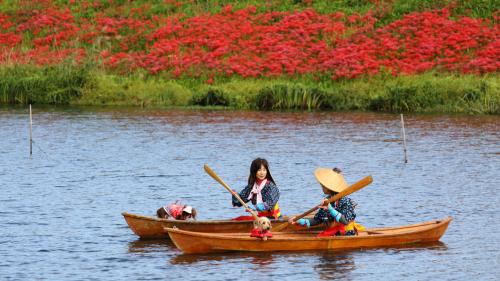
(434, 246)
(334, 265)
(148, 246)
(261, 260)
(339, 265)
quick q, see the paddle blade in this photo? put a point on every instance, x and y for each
(353, 188)
(216, 177)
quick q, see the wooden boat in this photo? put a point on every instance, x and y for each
(153, 228)
(197, 242)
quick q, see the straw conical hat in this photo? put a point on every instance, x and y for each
(330, 179)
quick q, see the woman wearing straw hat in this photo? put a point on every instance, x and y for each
(337, 216)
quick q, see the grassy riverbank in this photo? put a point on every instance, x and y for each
(378, 55)
(429, 92)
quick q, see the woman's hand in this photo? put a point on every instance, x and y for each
(260, 207)
(304, 222)
(324, 204)
(292, 220)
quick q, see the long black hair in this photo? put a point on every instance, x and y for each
(255, 166)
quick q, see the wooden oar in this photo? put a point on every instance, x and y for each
(353, 188)
(217, 178)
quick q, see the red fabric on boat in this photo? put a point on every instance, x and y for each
(243, 218)
(250, 218)
(338, 227)
(260, 234)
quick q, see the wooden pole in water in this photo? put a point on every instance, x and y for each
(31, 133)
(404, 137)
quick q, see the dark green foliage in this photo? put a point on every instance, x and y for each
(284, 96)
(214, 97)
(346, 98)
(446, 94)
(404, 98)
(46, 85)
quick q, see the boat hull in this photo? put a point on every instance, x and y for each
(196, 242)
(154, 228)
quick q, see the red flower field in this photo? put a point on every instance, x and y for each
(250, 44)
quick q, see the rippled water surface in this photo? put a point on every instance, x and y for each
(60, 208)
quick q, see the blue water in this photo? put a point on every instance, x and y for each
(60, 209)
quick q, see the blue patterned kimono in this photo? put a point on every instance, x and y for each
(270, 195)
(345, 206)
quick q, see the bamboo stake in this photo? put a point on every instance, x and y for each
(31, 133)
(404, 137)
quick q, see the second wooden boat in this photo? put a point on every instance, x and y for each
(153, 228)
(197, 242)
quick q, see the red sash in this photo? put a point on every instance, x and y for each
(337, 227)
(272, 214)
(334, 228)
(243, 218)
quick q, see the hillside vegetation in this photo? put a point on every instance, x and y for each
(396, 56)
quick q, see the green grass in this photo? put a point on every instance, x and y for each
(469, 94)
(79, 85)
(49, 85)
(108, 89)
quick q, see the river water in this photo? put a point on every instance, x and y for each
(60, 209)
